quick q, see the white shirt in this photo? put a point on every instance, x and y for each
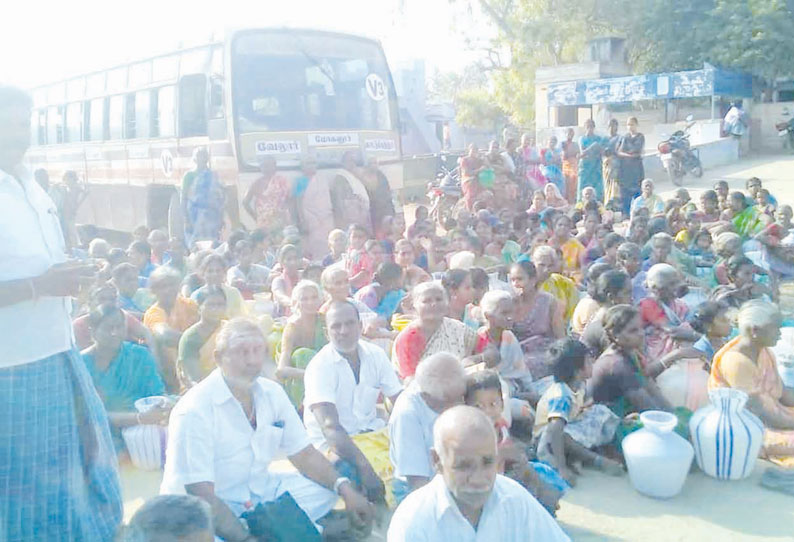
(329, 379)
(510, 514)
(31, 242)
(211, 440)
(411, 434)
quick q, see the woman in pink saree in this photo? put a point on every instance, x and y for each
(315, 212)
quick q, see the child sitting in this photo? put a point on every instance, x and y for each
(701, 251)
(358, 264)
(692, 224)
(497, 309)
(763, 202)
(484, 391)
(564, 428)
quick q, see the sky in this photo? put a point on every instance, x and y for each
(45, 41)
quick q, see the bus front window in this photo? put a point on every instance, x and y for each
(292, 81)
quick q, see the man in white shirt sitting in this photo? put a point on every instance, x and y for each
(468, 500)
(343, 383)
(439, 384)
(225, 431)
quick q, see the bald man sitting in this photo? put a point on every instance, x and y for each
(467, 500)
(439, 384)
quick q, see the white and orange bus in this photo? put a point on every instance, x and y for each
(130, 131)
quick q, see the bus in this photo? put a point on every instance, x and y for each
(130, 131)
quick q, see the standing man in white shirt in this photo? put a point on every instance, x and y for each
(468, 501)
(226, 430)
(343, 383)
(439, 383)
(59, 479)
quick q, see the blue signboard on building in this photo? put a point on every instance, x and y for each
(687, 84)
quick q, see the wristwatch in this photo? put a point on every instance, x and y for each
(339, 481)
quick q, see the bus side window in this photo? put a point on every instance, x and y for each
(96, 121)
(73, 124)
(55, 125)
(216, 99)
(115, 117)
(129, 116)
(193, 105)
(164, 119)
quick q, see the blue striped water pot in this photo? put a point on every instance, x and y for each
(726, 436)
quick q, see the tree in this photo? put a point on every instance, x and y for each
(661, 35)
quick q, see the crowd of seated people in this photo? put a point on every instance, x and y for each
(555, 321)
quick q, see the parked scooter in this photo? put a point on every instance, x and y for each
(785, 129)
(444, 193)
(677, 155)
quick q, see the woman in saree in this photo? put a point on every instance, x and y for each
(747, 220)
(531, 161)
(267, 200)
(663, 314)
(629, 152)
(203, 200)
(123, 372)
(460, 292)
(196, 354)
(590, 168)
(538, 318)
(741, 286)
(746, 363)
(304, 335)
(611, 165)
(349, 195)
(573, 252)
(648, 200)
(432, 332)
(470, 167)
(554, 198)
(552, 164)
(618, 380)
(385, 293)
(213, 271)
(312, 208)
(570, 164)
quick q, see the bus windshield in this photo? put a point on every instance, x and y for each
(291, 81)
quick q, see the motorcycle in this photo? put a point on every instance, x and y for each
(677, 155)
(444, 193)
(786, 128)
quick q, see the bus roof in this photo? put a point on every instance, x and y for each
(213, 40)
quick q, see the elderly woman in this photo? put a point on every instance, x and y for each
(168, 318)
(663, 313)
(203, 200)
(123, 372)
(304, 335)
(196, 354)
(432, 331)
(647, 199)
(549, 267)
(747, 363)
(538, 318)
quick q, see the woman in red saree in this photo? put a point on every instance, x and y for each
(432, 332)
